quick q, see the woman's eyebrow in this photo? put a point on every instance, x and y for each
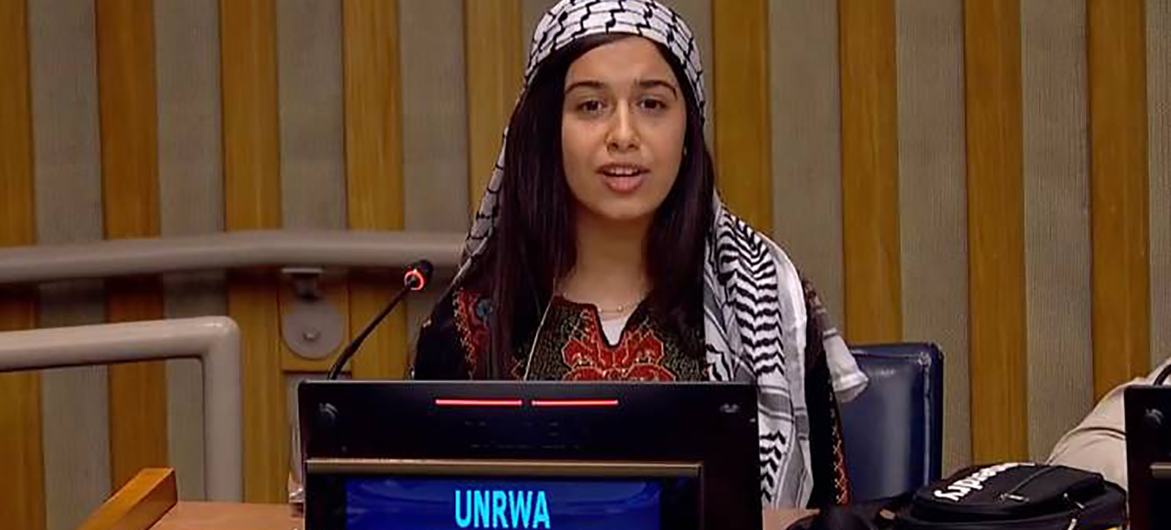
(647, 84)
(588, 83)
(644, 84)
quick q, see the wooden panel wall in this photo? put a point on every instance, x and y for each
(806, 141)
(870, 171)
(995, 230)
(126, 85)
(313, 180)
(493, 47)
(22, 493)
(925, 162)
(1057, 225)
(435, 167)
(252, 196)
(743, 149)
(374, 168)
(191, 201)
(933, 195)
(309, 52)
(68, 208)
(1118, 185)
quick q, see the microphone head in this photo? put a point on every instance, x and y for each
(418, 274)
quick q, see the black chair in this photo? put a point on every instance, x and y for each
(893, 430)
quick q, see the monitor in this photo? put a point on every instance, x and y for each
(1148, 456)
(430, 455)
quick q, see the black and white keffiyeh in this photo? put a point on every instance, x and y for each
(755, 313)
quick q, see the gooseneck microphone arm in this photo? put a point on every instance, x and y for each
(416, 277)
(1163, 374)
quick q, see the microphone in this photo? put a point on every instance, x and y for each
(414, 279)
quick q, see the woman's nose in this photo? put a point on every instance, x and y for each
(623, 132)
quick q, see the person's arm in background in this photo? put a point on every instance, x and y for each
(1098, 443)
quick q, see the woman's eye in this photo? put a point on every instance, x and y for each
(590, 106)
(653, 104)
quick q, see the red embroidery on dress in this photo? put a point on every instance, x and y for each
(473, 332)
(638, 357)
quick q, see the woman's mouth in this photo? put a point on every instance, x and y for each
(623, 178)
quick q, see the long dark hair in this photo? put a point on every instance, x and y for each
(534, 243)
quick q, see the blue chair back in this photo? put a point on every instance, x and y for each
(893, 430)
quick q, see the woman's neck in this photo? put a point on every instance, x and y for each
(611, 262)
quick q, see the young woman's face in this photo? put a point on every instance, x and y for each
(622, 129)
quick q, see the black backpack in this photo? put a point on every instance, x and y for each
(1021, 496)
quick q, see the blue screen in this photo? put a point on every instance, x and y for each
(443, 503)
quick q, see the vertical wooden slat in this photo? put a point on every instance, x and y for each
(996, 230)
(17, 221)
(1158, 17)
(253, 197)
(16, 149)
(494, 50)
(1118, 184)
(23, 503)
(806, 141)
(932, 193)
(374, 168)
(138, 391)
(126, 88)
(743, 134)
(22, 492)
(870, 166)
(1057, 222)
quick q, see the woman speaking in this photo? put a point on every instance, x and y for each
(601, 250)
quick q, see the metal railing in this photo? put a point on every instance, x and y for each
(226, 250)
(214, 341)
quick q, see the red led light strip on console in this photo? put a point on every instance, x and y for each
(516, 403)
(479, 402)
(575, 402)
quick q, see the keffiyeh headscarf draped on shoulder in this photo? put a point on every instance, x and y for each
(754, 305)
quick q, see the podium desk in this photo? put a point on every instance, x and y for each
(150, 501)
(230, 516)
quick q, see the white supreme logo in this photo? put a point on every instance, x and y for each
(961, 488)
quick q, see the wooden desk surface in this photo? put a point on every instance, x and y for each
(230, 516)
